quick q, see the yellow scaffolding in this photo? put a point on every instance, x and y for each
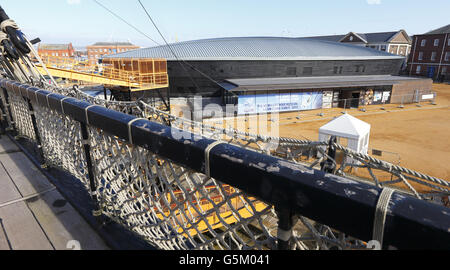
(135, 74)
(87, 77)
(147, 73)
(179, 209)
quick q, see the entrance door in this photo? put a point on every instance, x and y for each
(349, 99)
(431, 71)
(355, 100)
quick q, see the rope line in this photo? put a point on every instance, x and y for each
(380, 214)
(125, 21)
(207, 160)
(86, 113)
(130, 137)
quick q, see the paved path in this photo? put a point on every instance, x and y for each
(33, 214)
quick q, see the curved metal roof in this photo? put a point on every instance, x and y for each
(258, 48)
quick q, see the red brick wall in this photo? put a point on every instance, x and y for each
(95, 52)
(427, 51)
(60, 53)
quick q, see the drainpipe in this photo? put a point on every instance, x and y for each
(413, 55)
(442, 55)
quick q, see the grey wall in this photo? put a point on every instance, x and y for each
(182, 85)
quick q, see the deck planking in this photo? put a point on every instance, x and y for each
(33, 214)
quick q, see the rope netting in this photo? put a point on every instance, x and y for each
(174, 207)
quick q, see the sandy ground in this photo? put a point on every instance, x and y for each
(419, 135)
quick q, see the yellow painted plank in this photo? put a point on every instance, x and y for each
(97, 79)
(214, 221)
(79, 76)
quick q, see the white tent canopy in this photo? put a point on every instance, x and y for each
(347, 127)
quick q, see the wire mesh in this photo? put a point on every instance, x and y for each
(174, 207)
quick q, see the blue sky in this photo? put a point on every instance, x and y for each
(83, 22)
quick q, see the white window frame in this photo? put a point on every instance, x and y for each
(433, 56)
(420, 57)
(447, 56)
(418, 69)
(436, 42)
(423, 43)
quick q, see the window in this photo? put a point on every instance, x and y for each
(423, 43)
(383, 48)
(291, 71)
(436, 42)
(447, 56)
(307, 70)
(420, 55)
(337, 70)
(433, 56)
(418, 69)
(448, 42)
(444, 70)
(360, 68)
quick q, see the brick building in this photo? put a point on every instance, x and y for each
(396, 42)
(430, 55)
(262, 74)
(60, 50)
(99, 49)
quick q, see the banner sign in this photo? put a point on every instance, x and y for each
(327, 99)
(266, 103)
(386, 96)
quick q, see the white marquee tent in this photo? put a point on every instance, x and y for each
(350, 132)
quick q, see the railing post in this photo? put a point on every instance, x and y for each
(403, 102)
(286, 222)
(2, 118)
(97, 212)
(36, 130)
(8, 108)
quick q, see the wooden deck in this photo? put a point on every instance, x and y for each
(33, 214)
